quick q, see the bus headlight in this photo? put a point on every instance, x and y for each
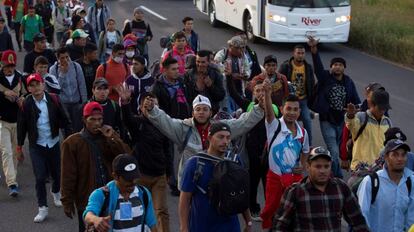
(277, 18)
(343, 19)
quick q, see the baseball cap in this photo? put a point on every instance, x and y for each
(8, 57)
(381, 98)
(92, 108)
(126, 166)
(319, 152)
(395, 144)
(201, 100)
(236, 41)
(218, 126)
(129, 43)
(269, 59)
(394, 133)
(79, 33)
(34, 77)
(100, 82)
(39, 37)
(374, 86)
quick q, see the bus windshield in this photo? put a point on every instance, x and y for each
(310, 3)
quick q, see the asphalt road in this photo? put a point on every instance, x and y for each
(16, 215)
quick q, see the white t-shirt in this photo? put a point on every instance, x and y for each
(10, 78)
(110, 40)
(285, 151)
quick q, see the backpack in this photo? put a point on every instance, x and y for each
(355, 181)
(67, 12)
(38, 19)
(228, 189)
(347, 143)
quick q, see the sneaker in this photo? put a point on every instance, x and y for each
(13, 190)
(41, 216)
(56, 199)
(256, 217)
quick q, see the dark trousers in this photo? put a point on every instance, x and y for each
(28, 46)
(45, 161)
(16, 26)
(81, 222)
(49, 32)
(257, 172)
(9, 16)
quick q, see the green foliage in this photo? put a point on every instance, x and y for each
(384, 28)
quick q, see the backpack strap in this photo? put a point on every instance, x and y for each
(54, 98)
(186, 139)
(362, 128)
(408, 183)
(113, 104)
(145, 202)
(104, 70)
(374, 186)
(279, 127)
(198, 173)
(105, 204)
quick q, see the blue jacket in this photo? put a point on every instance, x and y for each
(96, 200)
(195, 42)
(325, 82)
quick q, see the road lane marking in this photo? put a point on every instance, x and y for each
(153, 13)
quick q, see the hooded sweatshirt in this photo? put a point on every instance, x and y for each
(139, 84)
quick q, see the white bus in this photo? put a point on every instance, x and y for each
(282, 20)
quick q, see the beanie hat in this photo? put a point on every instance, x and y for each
(338, 60)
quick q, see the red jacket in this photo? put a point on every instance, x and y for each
(181, 58)
(13, 5)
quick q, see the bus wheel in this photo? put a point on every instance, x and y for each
(212, 15)
(248, 28)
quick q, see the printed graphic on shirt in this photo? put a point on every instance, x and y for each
(285, 155)
(299, 80)
(337, 97)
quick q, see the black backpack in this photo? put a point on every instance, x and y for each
(228, 190)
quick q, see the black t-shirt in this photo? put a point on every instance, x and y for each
(337, 102)
(89, 72)
(30, 58)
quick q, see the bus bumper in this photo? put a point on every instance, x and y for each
(280, 33)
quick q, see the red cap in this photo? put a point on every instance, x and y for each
(92, 108)
(34, 77)
(8, 57)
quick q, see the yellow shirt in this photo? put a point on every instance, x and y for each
(299, 80)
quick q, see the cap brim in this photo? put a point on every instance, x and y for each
(132, 175)
(403, 146)
(325, 156)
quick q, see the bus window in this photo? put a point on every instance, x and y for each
(310, 3)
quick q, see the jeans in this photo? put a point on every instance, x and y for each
(16, 26)
(332, 136)
(8, 141)
(45, 160)
(257, 172)
(157, 185)
(59, 37)
(305, 117)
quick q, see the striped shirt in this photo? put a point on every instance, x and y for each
(137, 212)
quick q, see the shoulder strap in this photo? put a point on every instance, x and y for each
(374, 186)
(105, 204)
(279, 127)
(408, 183)
(54, 98)
(187, 137)
(145, 202)
(104, 70)
(225, 54)
(113, 104)
(362, 128)
(302, 140)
